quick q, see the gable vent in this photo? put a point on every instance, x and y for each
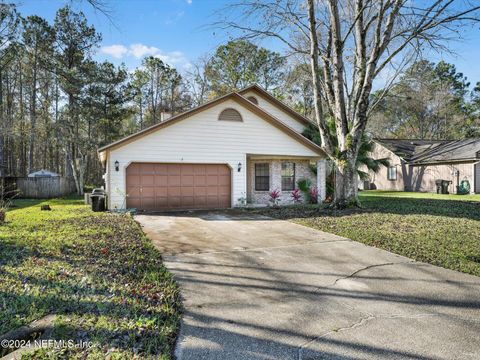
(253, 99)
(230, 115)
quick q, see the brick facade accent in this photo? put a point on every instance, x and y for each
(302, 171)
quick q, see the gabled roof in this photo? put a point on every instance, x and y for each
(406, 148)
(418, 152)
(231, 96)
(269, 97)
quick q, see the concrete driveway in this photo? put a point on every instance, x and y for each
(256, 288)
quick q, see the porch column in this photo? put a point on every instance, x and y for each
(321, 180)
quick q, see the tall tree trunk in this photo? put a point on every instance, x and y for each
(2, 157)
(140, 104)
(57, 130)
(153, 102)
(3, 129)
(317, 90)
(346, 184)
(346, 190)
(8, 110)
(78, 169)
(33, 114)
(21, 104)
(70, 153)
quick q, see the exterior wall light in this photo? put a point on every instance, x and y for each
(239, 167)
(117, 165)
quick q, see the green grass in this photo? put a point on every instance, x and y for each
(443, 230)
(418, 195)
(96, 271)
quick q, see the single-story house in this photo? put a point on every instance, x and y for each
(225, 153)
(415, 165)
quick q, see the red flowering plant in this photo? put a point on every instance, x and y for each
(274, 197)
(296, 196)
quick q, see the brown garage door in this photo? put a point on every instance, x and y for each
(159, 186)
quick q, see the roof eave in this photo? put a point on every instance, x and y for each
(247, 103)
(236, 96)
(281, 104)
(444, 162)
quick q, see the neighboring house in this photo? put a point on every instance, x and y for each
(415, 165)
(233, 149)
(43, 173)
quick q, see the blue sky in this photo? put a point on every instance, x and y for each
(173, 29)
(177, 31)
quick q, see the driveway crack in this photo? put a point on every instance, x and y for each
(357, 324)
(361, 322)
(356, 272)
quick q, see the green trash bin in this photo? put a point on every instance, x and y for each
(98, 202)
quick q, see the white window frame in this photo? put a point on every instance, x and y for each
(392, 173)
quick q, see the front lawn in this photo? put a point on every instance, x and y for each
(442, 230)
(96, 272)
(366, 195)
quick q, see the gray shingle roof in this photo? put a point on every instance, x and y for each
(433, 151)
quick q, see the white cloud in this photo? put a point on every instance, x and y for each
(172, 58)
(189, 2)
(140, 50)
(116, 51)
(176, 59)
(137, 50)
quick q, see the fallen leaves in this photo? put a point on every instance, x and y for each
(98, 272)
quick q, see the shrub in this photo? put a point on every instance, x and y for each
(274, 195)
(330, 185)
(296, 196)
(4, 205)
(304, 186)
(313, 195)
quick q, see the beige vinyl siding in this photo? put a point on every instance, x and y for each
(418, 178)
(202, 138)
(477, 178)
(423, 177)
(380, 179)
(276, 112)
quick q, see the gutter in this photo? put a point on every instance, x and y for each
(444, 162)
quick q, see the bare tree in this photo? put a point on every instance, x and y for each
(198, 81)
(349, 44)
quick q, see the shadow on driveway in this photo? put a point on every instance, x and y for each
(254, 288)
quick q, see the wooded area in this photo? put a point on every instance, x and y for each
(58, 105)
